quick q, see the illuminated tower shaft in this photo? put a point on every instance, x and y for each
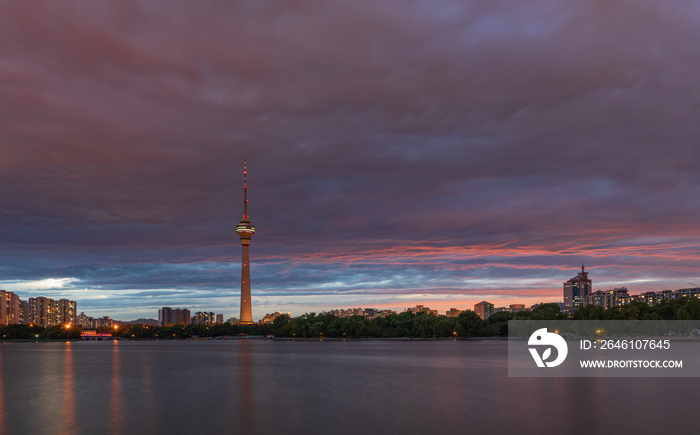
(246, 308)
(246, 230)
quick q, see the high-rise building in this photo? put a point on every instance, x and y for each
(219, 318)
(204, 318)
(245, 230)
(48, 312)
(9, 308)
(42, 311)
(483, 309)
(67, 311)
(24, 312)
(576, 289)
(609, 298)
(168, 316)
(164, 316)
(86, 321)
(181, 316)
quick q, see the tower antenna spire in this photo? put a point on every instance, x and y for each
(245, 187)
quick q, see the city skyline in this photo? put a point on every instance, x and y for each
(443, 155)
(583, 293)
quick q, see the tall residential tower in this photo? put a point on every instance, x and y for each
(576, 289)
(246, 230)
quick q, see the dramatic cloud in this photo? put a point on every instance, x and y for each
(399, 152)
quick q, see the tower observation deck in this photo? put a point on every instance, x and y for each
(245, 230)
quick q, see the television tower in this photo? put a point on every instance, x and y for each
(246, 230)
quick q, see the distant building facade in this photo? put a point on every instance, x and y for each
(561, 306)
(367, 313)
(42, 311)
(67, 312)
(45, 312)
(9, 308)
(86, 322)
(105, 321)
(653, 298)
(168, 316)
(23, 312)
(513, 308)
(204, 318)
(483, 309)
(422, 309)
(348, 312)
(453, 312)
(576, 289)
(609, 298)
(269, 318)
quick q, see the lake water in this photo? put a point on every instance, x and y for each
(268, 387)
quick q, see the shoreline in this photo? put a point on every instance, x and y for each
(24, 340)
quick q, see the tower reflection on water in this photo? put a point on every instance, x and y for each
(245, 383)
(3, 416)
(116, 413)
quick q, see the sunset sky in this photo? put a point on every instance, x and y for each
(399, 152)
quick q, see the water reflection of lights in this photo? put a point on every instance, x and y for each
(115, 399)
(68, 404)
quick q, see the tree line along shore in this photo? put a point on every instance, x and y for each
(402, 325)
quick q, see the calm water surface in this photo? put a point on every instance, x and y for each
(266, 387)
